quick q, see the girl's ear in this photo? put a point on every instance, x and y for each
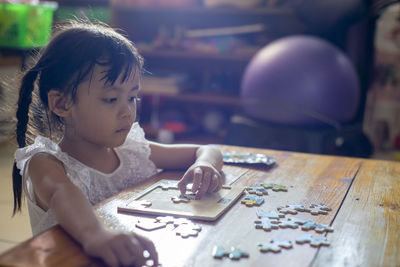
(59, 104)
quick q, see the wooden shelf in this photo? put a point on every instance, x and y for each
(83, 3)
(158, 32)
(244, 58)
(207, 11)
(201, 98)
(142, 24)
(284, 21)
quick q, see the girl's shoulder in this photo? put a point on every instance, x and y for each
(44, 149)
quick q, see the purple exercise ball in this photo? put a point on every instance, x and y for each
(300, 80)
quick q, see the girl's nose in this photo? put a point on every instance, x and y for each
(127, 110)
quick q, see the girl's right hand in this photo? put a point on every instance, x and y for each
(120, 249)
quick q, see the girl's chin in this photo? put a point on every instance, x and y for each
(118, 141)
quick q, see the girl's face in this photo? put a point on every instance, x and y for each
(103, 114)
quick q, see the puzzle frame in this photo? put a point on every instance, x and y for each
(209, 208)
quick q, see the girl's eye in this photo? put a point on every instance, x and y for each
(134, 99)
(110, 100)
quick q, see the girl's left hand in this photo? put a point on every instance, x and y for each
(205, 178)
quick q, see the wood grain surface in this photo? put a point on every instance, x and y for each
(368, 223)
(363, 195)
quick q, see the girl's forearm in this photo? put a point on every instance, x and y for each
(74, 213)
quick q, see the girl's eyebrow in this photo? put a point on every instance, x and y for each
(113, 87)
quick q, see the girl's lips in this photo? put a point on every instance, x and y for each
(124, 129)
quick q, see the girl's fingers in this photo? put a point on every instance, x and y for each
(127, 253)
(204, 185)
(109, 257)
(197, 179)
(219, 186)
(215, 183)
(182, 185)
(149, 246)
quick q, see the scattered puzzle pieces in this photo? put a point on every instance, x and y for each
(256, 190)
(323, 228)
(219, 252)
(180, 199)
(314, 241)
(172, 220)
(319, 228)
(275, 245)
(297, 220)
(275, 187)
(266, 224)
(237, 254)
(165, 185)
(288, 224)
(270, 214)
(315, 209)
(186, 230)
(292, 209)
(308, 225)
(150, 225)
(165, 219)
(250, 201)
(184, 226)
(180, 221)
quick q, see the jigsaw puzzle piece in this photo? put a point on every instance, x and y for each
(180, 199)
(297, 220)
(274, 187)
(313, 241)
(219, 252)
(237, 254)
(165, 219)
(150, 225)
(270, 214)
(250, 201)
(323, 228)
(292, 209)
(165, 185)
(180, 221)
(186, 230)
(309, 225)
(266, 224)
(256, 190)
(288, 224)
(316, 209)
(275, 245)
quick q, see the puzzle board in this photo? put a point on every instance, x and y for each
(209, 208)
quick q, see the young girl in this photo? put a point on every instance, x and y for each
(87, 81)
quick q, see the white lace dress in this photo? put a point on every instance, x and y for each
(135, 166)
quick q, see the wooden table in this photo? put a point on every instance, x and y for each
(364, 196)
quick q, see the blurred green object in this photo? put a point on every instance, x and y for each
(102, 14)
(26, 26)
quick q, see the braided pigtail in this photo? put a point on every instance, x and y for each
(24, 101)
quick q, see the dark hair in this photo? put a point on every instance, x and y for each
(62, 65)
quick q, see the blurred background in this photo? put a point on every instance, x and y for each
(300, 75)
